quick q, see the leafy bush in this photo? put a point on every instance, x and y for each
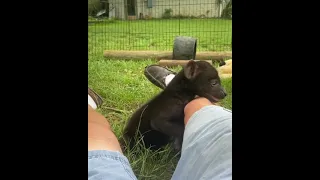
(167, 14)
(93, 7)
(227, 11)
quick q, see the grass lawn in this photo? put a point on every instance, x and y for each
(212, 34)
(123, 86)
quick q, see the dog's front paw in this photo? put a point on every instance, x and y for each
(177, 144)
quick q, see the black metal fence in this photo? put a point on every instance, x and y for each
(153, 24)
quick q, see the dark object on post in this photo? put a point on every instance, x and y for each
(184, 48)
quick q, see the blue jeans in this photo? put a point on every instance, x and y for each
(206, 151)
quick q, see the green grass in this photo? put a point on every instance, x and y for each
(212, 34)
(123, 86)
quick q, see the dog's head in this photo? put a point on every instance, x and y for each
(204, 80)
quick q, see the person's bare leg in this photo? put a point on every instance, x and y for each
(100, 135)
(105, 158)
(194, 106)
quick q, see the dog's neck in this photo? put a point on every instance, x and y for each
(180, 86)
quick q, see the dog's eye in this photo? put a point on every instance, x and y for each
(213, 83)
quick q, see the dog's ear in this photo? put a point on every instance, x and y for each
(191, 70)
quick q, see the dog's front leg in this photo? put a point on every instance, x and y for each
(169, 128)
(177, 144)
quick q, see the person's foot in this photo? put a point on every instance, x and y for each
(157, 75)
(95, 97)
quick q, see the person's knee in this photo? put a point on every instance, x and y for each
(100, 134)
(194, 106)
